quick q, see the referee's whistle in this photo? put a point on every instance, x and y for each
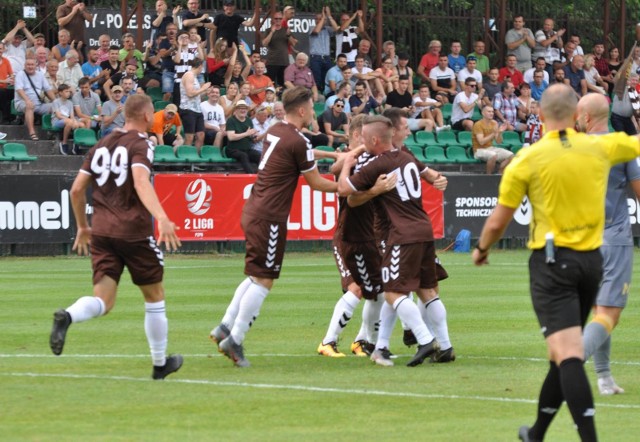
(549, 249)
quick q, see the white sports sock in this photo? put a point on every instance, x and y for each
(388, 318)
(85, 308)
(232, 310)
(156, 328)
(248, 311)
(434, 314)
(409, 313)
(371, 317)
(405, 326)
(342, 313)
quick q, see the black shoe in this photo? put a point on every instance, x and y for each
(173, 364)
(64, 148)
(408, 338)
(424, 351)
(61, 323)
(523, 434)
(18, 121)
(233, 351)
(443, 356)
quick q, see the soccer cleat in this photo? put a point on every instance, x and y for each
(219, 333)
(382, 356)
(523, 434)
(233, 351)
(608, 386)
(173, 364)
(330, 349)
(443, 356)
(408, 338)
(61, 323)
(424, 351)
(361, 348)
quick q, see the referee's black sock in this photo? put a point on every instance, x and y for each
(577, 393)
(549, 402)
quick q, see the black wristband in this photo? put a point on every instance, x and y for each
(481, 250)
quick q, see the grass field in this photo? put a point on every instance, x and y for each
(100, 388)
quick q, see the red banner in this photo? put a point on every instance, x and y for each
(208, 207)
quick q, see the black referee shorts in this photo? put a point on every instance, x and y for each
(563, 293)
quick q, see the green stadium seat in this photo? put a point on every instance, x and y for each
(3, 157)
(511, 138)
(213, 154)
(318, 108)
(435, 154)
(14, 111)
(188, 154)
(418, 153)
(84, 137)
(446, 112)
(447, 138)
(425, 138)
(48, 126)
(515, 149)
(458, 154)
(160, 105)
(155, 93)
(165, 154)
(465, 138)
(17, 152)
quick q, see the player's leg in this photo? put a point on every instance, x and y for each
(434, 314)
(222, 330)
(381, 354)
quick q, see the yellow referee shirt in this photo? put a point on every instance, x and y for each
(565, 176)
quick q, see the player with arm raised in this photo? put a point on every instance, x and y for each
(118, 169)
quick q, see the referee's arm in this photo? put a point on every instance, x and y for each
(492, 231)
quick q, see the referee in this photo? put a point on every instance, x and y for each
(565, 177)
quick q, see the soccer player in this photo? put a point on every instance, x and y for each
(358, 260)
(286, 154)
(565, 235)
(617, 248)
(409, 258)
(118, 169)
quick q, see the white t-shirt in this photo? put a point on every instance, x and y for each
(464, 74)
(528, 75)
(457, 113)
(419, 109)
(213, 114)
(438, 74)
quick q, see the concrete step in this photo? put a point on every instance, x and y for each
(45, 164)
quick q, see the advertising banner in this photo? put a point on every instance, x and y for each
(209, 207)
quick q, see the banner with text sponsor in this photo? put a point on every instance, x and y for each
(208, 207)
(36, 209)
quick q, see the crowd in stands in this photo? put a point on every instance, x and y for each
(209, 90)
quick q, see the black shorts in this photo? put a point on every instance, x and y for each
(563, 293)
(458, 124)
(143, 258)
(193, 121)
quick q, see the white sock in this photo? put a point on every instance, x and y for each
(85, 308)
(156, 328)
(371, 317)
(232, 310)
(405, 326)
(434, 314)
(362, 333)
(409, 313)
(248, 311)
(342, 313)
(387, 322)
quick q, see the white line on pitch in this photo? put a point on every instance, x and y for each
(302, 388)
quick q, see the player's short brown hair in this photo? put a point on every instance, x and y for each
(135, 105)
(295, 97)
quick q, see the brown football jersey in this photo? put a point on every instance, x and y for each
(408, 222)
(117, 209)
(285, 155)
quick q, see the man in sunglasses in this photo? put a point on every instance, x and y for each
(464, 104)
(335, 119)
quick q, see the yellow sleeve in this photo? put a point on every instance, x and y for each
(515, 182)
(621, 147)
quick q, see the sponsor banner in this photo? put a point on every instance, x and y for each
(109, 21)
(209, 207)
(36, 209)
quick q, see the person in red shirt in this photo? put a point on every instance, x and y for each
(259, 83)
(510, 72)
(429, 60)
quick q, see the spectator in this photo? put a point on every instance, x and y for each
(181, 59)
(558, 76)
(371, 77)
(69, 71)
(239, 72)
(320, 44)
(153, 64)
(568, 53)
(287, 14)
(193, 16)
(334, 76)
(538, 85)
(270, 100)
(214, 119)
(347, 36)
(626, 101)
(427, 108)
(112, 111)
(129, 88)
(389, 76)
(539, 66)
(228, 101)
(165, 52)
(402, 68)
(52, 78)
(485, 133)
(86, 103)
(41, 60)
(218, 64)
(129, 52)
(38, 42)
(574, 75)
(491, 87)
(464, 105)
(508, 110)
(525, 100)
(63, 117)
(167, 127)
(278, 114)
(64, 45)
(161, 19)
(430, 60)
(600, 63)
(519, 42)
(510, 72)
(129, 72)
(470, 71)
(195, 46)
(261, 125)
(364, 49)
(7, 80)
(260, 82)
(104, 42)
(534, 125)
(241, 135)
(277, 40)
(389, 50)
(457, 61)
(401, 98)
(548, 45)
(595, 83)
(575, 39)
(30, 89)
(112, 67)
(333, 120)
(443, 81)
(244, 92)
(190, 112)
(227, 24)
(482, 60)
(15, 47)
(362, 102)
(72, 16)
(343, 93)
(299, 74)
(92, 70)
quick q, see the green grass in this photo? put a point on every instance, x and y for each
(100, 389)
